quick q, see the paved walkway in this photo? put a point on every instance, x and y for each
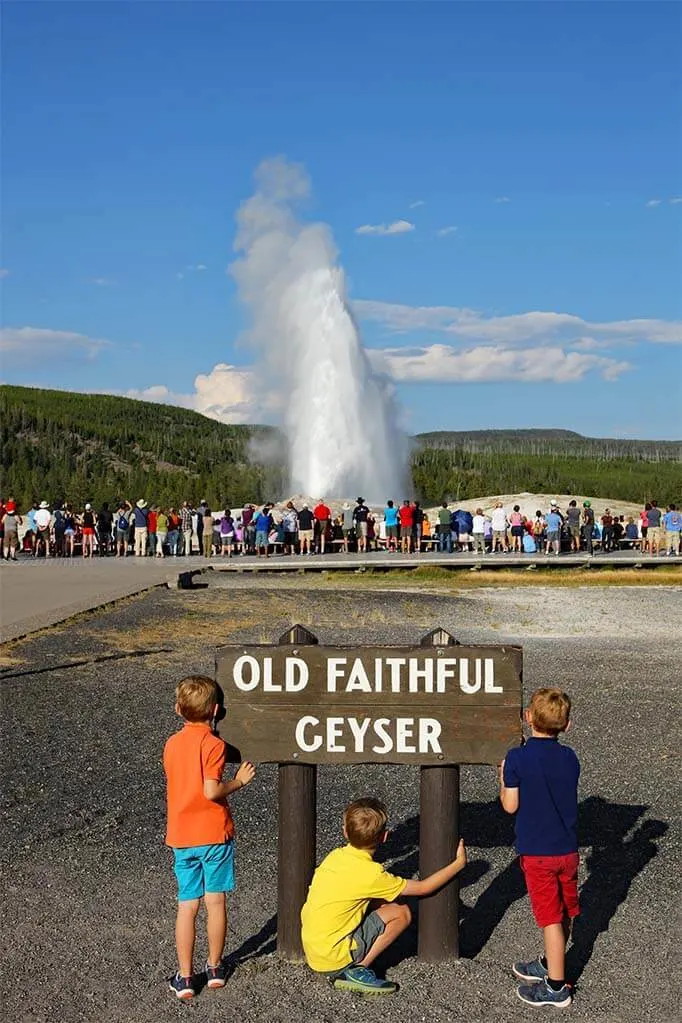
(37, 594)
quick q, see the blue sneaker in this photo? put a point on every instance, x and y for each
(530, 972)
(542, 994)
(183, 987)
(363, 981)
(216, 975)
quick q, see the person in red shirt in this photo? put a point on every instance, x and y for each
(199, 827)
(406, 516)
(323, 515)
(152, 516)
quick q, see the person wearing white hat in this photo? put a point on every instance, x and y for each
(87, 520)
(43, 521)
(140, 519)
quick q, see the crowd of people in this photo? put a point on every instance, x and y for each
(142, 530)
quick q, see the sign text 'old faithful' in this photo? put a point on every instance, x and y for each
(420, 705)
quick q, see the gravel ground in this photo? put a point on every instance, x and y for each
(87, 922)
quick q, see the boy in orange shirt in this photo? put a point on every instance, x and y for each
(200, 829)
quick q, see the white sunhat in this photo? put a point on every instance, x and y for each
(44, 504)
(88, 507)
(141, 503)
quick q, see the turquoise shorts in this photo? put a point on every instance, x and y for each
(204, 868)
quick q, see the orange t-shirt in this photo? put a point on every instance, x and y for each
(189, 756)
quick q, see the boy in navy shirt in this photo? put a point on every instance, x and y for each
(539, 783)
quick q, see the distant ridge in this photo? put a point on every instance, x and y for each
(559, 441)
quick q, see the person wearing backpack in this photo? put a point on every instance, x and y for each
(122, 530)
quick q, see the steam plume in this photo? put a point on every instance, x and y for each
(338, 414)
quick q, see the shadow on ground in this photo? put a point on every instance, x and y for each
(617, 855)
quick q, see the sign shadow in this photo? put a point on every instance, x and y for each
(615, 857)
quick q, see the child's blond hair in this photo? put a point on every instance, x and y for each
(365, 822)
(550, 710)
(196, 696)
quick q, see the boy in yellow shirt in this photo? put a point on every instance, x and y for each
(341, 935)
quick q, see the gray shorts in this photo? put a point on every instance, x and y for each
(362, 939)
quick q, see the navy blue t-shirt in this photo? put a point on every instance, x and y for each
(546, 775)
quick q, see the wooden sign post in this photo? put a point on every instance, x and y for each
(438, 838)
(437, 705)
(297, 808)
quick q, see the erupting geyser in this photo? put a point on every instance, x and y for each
(337, 411)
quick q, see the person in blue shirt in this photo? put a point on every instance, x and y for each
(672, 524)
(539, 783)
(554, 524)
(463, 525)
(391, 521)
(263, 526)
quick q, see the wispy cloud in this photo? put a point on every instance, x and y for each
(103, 282)
(20, 342)
(443, 231)
(502, 198)
(190, 269)
(416, 203)
(675, 200)
(652, 202)
(396, 227)
(4, 272)
(445, 364)
(533, 328)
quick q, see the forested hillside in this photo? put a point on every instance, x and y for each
(466, 464)
(58, 444)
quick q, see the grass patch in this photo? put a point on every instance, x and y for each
(464, 578)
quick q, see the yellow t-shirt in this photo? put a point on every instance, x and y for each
(341, 889)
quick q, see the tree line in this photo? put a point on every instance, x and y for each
(82, 447)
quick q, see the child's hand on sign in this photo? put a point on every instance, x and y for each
(461, 857)
(245, 774)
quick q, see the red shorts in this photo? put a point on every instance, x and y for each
(552, 883)
(88, 531)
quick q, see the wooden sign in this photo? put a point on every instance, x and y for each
(427, 705)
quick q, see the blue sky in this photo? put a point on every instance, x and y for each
(528, 153)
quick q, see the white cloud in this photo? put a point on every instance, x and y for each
(416, 203)
(522, 328)
(4, 272)
(20, 342)
(443, 231)
(103, 282)
(396, 227)
(230, 394)
(652, 202)
(503, 198)
(445, 364)
(675, 200)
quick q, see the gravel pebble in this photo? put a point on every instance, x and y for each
(88, 915)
